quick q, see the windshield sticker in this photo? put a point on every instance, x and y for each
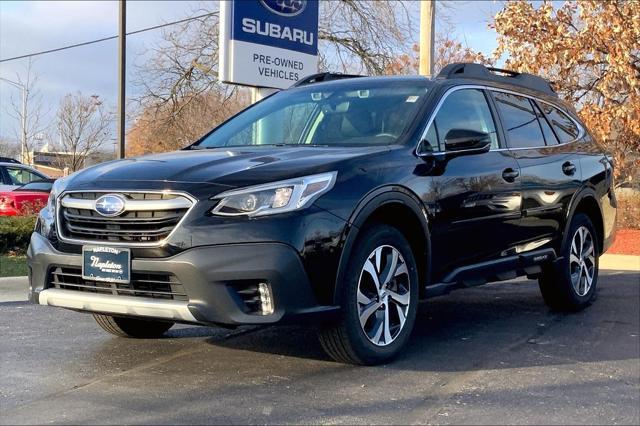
(412, 99)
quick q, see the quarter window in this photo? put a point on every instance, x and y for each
(463, 109)
(565, 128)
(519, 120)
(549, 137)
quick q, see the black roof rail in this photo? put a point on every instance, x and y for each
(323, 76)
(479, 71)
(9, 160)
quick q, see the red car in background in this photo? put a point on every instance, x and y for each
(27, 199)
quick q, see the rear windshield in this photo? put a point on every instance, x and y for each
(324, 115)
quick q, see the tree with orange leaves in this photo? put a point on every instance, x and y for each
(590, 51)
(447, 50)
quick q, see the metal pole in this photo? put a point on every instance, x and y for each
(259, 93)
(23, 145)
(122, 68)
(427, 36)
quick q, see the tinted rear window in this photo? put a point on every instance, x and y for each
(519, 120)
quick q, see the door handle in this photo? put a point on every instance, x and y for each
(568, 168)
(510, 175)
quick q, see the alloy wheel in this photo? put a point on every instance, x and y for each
(582, 261)
(383, 295)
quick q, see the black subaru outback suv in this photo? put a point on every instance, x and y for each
(339, 202)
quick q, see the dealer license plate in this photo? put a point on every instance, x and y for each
(107, 264)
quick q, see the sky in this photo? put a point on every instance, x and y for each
(31, 26)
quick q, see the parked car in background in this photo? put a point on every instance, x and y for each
(26, 199)
(13, 174)
(339, 202)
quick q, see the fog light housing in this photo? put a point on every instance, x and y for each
(266, 300)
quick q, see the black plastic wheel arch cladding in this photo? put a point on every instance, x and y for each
(579, 197)
(376, 201)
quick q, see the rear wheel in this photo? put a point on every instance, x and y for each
(132, 327)
(379, 300)
(571, 285)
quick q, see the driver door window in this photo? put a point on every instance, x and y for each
(465, 109)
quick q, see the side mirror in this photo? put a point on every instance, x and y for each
(466, 141)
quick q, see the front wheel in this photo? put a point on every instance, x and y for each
(379, 300)
(571, 286)
(132, 327)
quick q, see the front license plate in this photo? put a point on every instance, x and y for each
(108, 264)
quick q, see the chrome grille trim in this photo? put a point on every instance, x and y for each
(78, 200)
(131, 205)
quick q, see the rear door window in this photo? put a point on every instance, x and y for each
(519, 120)
(565, 128)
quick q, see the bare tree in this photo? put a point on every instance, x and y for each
(28, 111)
(9, 148)
(83, 127)
(181, 74)
(359, 36)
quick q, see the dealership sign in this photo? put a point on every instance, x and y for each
(268, 43)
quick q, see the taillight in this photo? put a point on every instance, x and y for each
(7, 203)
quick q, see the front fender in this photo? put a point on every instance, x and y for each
(374, 200)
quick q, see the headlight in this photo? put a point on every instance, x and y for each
(56, 189)
(272, 198)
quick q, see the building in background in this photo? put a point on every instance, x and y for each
(55, 163)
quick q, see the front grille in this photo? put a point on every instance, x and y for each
(143, 284)
(150, 218)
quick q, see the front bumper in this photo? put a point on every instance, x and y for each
(209, 275)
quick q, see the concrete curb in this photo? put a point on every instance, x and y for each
(4, 280)
(620, 262)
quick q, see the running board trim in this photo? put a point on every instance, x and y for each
(117, 305)
(494, 270)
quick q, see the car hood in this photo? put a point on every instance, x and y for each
(222, 167)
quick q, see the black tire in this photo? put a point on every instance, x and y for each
(132, 327)
(556, 284)
(345, 340)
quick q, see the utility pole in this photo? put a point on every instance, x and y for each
(427, 36)
(122, 74)
(25, 99)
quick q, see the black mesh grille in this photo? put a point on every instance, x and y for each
(143, 284)
(146, 226)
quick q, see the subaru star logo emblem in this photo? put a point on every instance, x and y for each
(110, 205)
(285, 7)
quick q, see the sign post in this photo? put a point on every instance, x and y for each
(268, 43)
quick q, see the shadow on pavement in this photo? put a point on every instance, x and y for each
(473, 327)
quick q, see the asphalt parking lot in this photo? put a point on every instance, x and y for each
(492, 355)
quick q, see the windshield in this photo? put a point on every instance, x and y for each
(324, 115)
